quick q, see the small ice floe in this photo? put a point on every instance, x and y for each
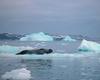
(17, 74)
(69, 39)
(13, 49)
(37, 37)
(89, 46)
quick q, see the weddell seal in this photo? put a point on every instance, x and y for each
(36, 51)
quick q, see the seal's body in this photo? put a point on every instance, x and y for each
(36, 51)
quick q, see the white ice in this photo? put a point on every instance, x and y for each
(37, 37)
(17, 74)
(69, 39)
(12, 49)
(89, 46)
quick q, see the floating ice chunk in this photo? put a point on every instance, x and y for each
(7, 48)
(13, 49)
(17, 74)
(69, 39)
(37, 37)
(89, 46)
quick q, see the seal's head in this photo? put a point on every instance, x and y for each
(49, 51)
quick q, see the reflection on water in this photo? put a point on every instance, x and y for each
(38, 63)
(90, 69)
(40, 68)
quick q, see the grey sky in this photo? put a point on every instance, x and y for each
(53, 16)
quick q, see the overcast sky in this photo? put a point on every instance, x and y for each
(52, 16)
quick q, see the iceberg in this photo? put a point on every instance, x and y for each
(12, 49)
(17, 74)
(37, 37)
(69, 39)
(89, 46)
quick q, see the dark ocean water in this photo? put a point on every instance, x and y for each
(66, 63)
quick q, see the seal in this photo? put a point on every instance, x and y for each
(36, 51)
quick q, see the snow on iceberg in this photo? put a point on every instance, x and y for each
(12, 49)
(37, 37)
(17, 74)
(69, 39)
(89, 46)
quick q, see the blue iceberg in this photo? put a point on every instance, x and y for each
(37, 37)
(89, 46)
(69, 39)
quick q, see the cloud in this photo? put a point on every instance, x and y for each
(42, 13)
(48, 8)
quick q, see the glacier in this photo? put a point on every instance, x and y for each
(89, 46)
(69, 39)
(37, 37)
(17, 74)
